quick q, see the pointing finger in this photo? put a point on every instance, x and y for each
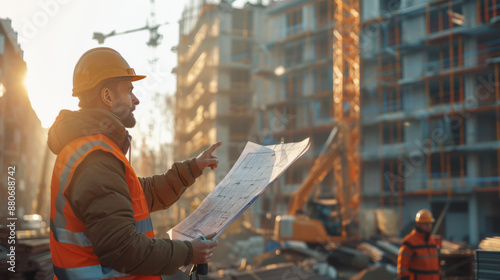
(212, 148)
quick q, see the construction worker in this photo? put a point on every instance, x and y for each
(99, 221)
(418, 255)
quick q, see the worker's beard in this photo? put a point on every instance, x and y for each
(124, 113)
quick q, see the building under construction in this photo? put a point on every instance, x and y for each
(430, 112)
(214, 91)
(22, 138)
(426, 103)
(295, 101)
(429, 91)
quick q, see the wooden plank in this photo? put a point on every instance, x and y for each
(386, 221)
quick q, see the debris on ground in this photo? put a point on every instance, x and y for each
(377, 273)
(32, 261)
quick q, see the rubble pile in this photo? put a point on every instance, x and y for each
(249, 255)
(368, 259)
(280, 271)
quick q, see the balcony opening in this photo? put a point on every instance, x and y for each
(394, 179)
(241, 50)
(392, 133)
(294, 22)
(294, 53)
(486, 126)
(322, 12)
(293, 85)
(488, 10)
(441, 91)
(438, 17)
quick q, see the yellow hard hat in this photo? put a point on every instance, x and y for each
(97, 65)
(424, 216)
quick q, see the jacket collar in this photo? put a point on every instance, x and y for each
(70, 125)
(422, 234)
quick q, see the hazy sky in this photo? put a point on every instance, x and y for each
(55, 33)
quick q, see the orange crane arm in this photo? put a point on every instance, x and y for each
(319, 170)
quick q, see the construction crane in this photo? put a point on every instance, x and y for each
(154, 36)
(153, 42)
(151, 26)
(338, 219)
(346, 94)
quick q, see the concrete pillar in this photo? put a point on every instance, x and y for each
(472, 170)
(473, 220)
(470, 52)
(470, 13)
(471, 129)
(223, 152)
(371, 9)
(308, 13)
(470, 87)
(413, 29)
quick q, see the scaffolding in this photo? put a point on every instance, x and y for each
(449, 100)
(300, 103)
(214, 93)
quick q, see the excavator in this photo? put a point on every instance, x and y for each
(322, 221)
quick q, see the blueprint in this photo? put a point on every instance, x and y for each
(254, 171)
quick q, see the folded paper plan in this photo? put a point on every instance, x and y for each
(254, 171)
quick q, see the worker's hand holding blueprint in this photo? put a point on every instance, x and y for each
(255, 170)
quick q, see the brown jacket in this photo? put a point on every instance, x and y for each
(99, 196)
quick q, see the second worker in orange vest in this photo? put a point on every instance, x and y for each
(418, 255)
(100, 223)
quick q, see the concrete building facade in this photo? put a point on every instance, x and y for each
(22, 139)
(214, 90)
(430, 112)
(293, 96)
(430, 103)
(430, 92)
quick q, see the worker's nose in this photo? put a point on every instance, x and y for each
(135, 100)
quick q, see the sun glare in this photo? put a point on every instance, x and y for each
(35, 99)
(2, 90)
(46, 103)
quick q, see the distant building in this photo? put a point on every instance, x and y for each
(293, 93)
(214, 89)
(430, 95)
(430, 112)
(430, 103)
(148, 161)
(22, 138)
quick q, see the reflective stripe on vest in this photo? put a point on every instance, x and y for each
(87, 273)
(63, 231)
(426, 272)
(60, 220)
(81, 239)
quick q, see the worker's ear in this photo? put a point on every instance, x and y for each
(106, 96)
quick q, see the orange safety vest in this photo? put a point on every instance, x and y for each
(417, 259)
(72, 254)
